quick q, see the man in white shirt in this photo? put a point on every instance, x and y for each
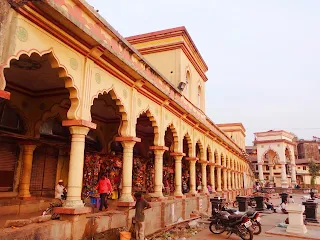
(60, 190)
(291, 200)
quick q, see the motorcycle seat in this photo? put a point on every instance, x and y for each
(234, 218)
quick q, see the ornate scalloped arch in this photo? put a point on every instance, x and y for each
(216, 157)
(153, 120)
(123, 128)
(265, 152)
(222, 159)
(175, 135)
(189, 141)
(210, 157)
(62, 73)
(202, 157)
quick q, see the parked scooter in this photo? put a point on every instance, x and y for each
(232, 223)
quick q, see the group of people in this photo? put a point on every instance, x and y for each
(282, 207)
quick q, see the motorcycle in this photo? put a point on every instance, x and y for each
(232, 223)
(253, 216)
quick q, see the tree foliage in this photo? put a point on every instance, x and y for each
(314, 170)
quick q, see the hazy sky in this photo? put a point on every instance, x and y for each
(263, 56)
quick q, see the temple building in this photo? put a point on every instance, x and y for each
(78, 100)
(280, 159)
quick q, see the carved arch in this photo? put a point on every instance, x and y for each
(62, 73)
(175, 136)
(123, 128)
(189, 142)
(209, 156)
(153, 122)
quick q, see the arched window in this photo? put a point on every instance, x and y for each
(186, 89)
(199, 97)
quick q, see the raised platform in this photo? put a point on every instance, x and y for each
(312, 234)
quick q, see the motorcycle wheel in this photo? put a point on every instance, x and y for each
(216, 228)
(256, 228)
(245, 233)
(235, 204)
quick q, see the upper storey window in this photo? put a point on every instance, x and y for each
(186, 89)
(199, 97)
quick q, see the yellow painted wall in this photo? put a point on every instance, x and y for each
(195, 81)
(165, 63)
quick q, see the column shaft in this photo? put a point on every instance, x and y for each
(225, 180)
(193, 177)
(260, 169)
(293, 174)
(284, 182)
(158, 172)
(212, 179)
(229, 179)
(204, 177)
(178, 176)
(219, 179)
(127, 167)
(24, 188)
(76, 163)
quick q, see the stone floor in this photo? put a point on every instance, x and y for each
(269, 222)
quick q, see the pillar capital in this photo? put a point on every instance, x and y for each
(79, 123)
(128, 142)
(173, 154)
(78, 130)
(203, 162)
(192, 159)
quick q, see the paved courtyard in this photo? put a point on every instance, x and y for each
(269, 221)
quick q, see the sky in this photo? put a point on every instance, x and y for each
(263, 56)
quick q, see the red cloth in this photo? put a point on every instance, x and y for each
(104, 186)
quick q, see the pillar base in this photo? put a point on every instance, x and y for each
(72, 211)
(126, 204)
(73, 204)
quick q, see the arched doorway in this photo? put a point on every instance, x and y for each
(143, 157)
(36, 83)
(169, 162)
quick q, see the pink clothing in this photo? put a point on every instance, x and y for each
(104, 186)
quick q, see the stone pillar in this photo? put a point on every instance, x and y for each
(204, 177)
(229, 174)
(284, 182)
(233, 180)
(212, 178)
(225, 180)
(219, 179)
(24, 188)
(260, 169)
(296, 224)
(237, 181)
(75, 176)
(128, 143)
(271, 176)
(193, 161)
(178, 175)
(293, 174)
(158, 169)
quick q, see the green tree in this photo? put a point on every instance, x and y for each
(314, 171)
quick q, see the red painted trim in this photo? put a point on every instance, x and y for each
(159, 148)
(5, 94)
(173, 31)
(275, 141)
(84, 123)
(127, 139)
(177, 154)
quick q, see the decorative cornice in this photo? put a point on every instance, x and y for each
(128, 139)
(80, 123)
(159, 148)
